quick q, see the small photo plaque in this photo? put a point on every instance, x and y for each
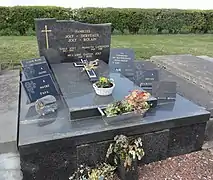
(147, 77)
(164, 90)
(39, 87)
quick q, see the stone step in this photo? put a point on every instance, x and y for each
(9, 94)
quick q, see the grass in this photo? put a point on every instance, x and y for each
(15, 48)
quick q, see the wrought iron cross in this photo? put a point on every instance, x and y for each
(46, 31)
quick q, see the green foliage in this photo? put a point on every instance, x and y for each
(104, 82)
(118, 108)
(125, 150)
(102, 172)
(19, 20)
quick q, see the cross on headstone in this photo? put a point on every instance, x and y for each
(91, 73)
(46, 31)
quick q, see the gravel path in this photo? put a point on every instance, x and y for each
(193, 166)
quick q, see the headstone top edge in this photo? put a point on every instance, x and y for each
(103, 24)
(43, 19)
(172, 55)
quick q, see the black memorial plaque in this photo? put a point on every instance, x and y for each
(39, 87)
(164, 90)
(36, 69)
(30, 62)
(122, 60)
(147, 77)
(74, 40)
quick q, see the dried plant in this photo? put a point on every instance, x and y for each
(90, 65)
(125, 150)
(102, 172)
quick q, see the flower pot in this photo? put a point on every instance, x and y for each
(131, 174)
(104, 91)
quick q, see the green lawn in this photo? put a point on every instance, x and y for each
(16, 48)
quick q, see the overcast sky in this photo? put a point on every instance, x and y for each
(180, 4)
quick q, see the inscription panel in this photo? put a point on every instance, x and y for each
(122, 60)
(39, 87)
(75, 40)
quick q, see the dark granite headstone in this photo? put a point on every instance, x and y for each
(164, 90)
(122, 60)
(36, 69)
(53, 56)
(74, 40)
(39, 87)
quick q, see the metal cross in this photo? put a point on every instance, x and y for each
(46, 31)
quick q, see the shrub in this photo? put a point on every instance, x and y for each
(20, 19)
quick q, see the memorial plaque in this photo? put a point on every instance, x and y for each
(39, 87)
(30, 62)
(164, 90)
(147, 77)
(74, 40)
(36, 69)
(122, 60)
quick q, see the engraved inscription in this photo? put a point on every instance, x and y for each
(121, 58)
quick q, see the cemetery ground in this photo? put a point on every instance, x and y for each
(197, 165)
(15, 48)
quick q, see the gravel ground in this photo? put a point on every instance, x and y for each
(193, 166)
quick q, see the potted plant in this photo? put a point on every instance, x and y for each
(125, 152)
(134, 105)
(102, 172)
(104, 86)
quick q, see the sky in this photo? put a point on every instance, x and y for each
(177, 4)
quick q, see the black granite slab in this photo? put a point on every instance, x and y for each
(31, 132)
(54, 145)
(74, 40)
(192, 74)
(78, 92)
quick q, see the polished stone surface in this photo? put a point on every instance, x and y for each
(74, 40)
(193, 74)
(122, 60)
(78, 92)
(51, 147)
(34, 130)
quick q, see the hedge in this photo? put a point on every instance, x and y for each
(19, 20)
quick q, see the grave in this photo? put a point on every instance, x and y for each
(52, 146)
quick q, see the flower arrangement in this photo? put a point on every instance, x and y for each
(125, 150)
(136, 101)
(118, 108)
(102, 172)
